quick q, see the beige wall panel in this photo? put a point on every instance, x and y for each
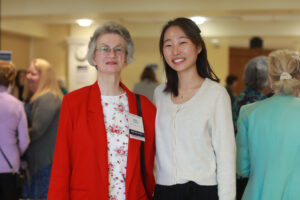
(19, 45)
(29, 28)
(297, 47)
(146, 51)
(218, 59)
(54, 49)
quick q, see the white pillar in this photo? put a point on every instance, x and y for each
(80, 73)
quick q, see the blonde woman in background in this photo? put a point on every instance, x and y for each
(14, 137)
(44, 97)
(268, 145)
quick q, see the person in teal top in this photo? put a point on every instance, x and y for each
(268, 138)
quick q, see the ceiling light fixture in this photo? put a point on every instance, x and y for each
(84, 22)
(198, 19)
(215, 41)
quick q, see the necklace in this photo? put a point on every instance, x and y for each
(184, 95)
(186, 92)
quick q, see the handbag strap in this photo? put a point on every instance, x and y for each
(10, 165)
(139, 110)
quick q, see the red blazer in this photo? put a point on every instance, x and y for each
(80, 165)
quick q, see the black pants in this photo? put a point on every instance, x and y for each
(8, 186)
(186, 191)
(241, 184)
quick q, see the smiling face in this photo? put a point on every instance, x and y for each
(33, 78)
(178, 50)
(110, 56)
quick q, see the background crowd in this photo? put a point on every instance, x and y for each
(208, 142)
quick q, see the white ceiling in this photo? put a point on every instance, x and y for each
(233, 21)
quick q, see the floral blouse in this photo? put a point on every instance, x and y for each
(248, 95)
(115, 109)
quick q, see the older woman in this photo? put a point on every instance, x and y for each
(97, 155)
(268, 134)
(14, 137)
(255, 78)
(44, 96)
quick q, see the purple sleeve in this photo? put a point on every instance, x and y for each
(23, 131)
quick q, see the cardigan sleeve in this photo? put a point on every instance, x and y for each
(224, 146)
(44, 110)
(61, 168)
(243, 161)
(23, 136)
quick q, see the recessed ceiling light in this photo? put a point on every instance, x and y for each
(84, 22)
(198, 19)
(215, 41)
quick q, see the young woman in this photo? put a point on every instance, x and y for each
(194, 131)
(255, 78)
(96, 157)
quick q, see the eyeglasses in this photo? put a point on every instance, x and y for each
(106, 50)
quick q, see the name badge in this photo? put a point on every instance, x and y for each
(136, 127)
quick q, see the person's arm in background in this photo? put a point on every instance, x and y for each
(59, 187)
(44, 110)
(23, 137)
(224, 146)
(149, 113)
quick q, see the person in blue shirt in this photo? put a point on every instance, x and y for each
(268, 145)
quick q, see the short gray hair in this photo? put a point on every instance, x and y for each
(110, 27)
(256, 73)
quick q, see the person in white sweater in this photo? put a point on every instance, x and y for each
(195, 145)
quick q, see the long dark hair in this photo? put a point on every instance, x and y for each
(192, 31)
(17, 80)
(148, 74)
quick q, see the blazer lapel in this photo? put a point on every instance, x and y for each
(98, 131)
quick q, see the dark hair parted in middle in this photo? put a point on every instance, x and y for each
(192, 32)
(231, 78)
(148, 74)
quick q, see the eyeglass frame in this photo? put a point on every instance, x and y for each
(109, 49)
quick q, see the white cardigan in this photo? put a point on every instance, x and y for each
(195, 140)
